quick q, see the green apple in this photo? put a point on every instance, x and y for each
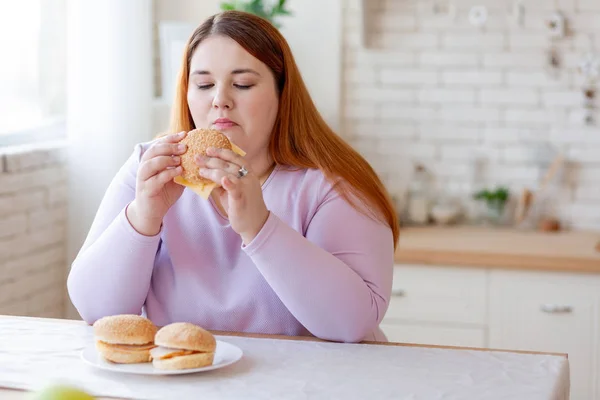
(61, 392)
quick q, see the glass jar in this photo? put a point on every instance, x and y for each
(419, 200)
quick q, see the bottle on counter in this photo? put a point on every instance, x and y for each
(419, 197)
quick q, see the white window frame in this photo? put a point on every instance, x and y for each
(52, 127)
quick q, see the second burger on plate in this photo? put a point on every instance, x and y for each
(182, 345)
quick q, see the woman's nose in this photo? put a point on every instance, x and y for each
(222, 99)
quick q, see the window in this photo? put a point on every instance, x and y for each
(33, 67)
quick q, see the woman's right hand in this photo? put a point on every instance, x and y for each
(155, 189)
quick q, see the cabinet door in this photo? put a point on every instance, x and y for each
(438, 294)
(441, 335)
(548, 312)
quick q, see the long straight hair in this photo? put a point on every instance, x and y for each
(300, 137)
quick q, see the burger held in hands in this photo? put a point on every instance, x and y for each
(197, 142)
(132, 339)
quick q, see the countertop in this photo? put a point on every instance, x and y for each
(35, 352)
(568, 251)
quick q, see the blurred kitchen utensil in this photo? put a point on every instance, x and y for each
(529, 206)
(523, 205)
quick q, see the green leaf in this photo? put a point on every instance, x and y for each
(257, 7)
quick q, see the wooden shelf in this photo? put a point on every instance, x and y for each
(567, 251)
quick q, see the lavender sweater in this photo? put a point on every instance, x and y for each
(318, 267)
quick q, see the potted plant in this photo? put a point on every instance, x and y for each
(258, 7)
(495, 201)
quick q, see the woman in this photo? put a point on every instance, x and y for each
(301, 245)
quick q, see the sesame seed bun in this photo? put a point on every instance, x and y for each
(125, 338)
(185, 336)
(197, 141)
(125, 329)
(182, 345)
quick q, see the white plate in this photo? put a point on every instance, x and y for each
(225, 354)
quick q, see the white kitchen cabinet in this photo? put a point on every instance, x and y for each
(548, 312)
(501, 309)
(437, 305)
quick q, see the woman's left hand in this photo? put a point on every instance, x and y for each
(241, 197)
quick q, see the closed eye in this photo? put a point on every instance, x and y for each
(243, 87)
(207, 86)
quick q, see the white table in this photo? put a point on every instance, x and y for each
(35, 352)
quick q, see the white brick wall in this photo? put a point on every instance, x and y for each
(33, 230)
(435, 89)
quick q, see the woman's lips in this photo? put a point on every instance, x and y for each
(223, 123)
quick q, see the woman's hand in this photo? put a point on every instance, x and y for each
(241, 197)
(155, 190)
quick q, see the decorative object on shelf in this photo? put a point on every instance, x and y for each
(540, 206)
(270, 12)
(549, 224)
(478, 16)
(495, 201)
(445, 211)
(589, 68)
(556, 30)
(554, 62)
(553, 59)
(556, 25)
(523, 204)
(444, 8)
(419, 196)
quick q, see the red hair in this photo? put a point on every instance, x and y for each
(300, 137)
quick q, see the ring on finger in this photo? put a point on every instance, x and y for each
(242, 172)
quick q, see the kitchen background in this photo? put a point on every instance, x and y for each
(477, 106)
(428, 87)
(482, 94)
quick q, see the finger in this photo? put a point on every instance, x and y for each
(217, 163)
(215, 175)
(227, 155)
(232, 186)
(156, 183)
(155, 165)
(164, 149)
(172, 138)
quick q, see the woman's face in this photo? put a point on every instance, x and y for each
(233, 92)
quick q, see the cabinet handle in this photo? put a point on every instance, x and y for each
(398, 293)
(555, 308)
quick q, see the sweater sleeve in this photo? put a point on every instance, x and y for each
(337, 279)
(111, 274)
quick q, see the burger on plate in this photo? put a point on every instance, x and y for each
(198, 141)
(125, 338)
(182, 345)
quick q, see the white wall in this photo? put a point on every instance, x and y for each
(109, 93)
(435, 89)
(313, 32)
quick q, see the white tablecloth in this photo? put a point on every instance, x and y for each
(35, 352)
